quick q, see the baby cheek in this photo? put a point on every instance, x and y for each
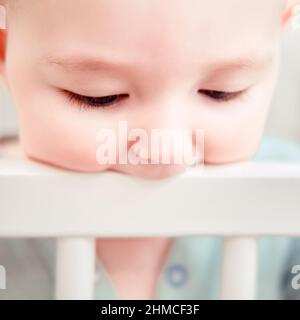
(231, 147)
(66, 140)
(233, 139)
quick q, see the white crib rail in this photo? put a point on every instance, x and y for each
(240, 202)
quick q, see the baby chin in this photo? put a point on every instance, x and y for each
(144, 171)
(80, 161)
(83, 158)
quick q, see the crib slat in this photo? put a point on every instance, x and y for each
(239, 268)
(75, 268)
(59, 203)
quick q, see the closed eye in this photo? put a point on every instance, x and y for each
(220, 96)
(111, 100)
(95, 102)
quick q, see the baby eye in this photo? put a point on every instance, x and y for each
(220, 96)
(96, 102)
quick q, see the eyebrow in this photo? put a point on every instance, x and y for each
(241, 63)
(87, 63)
(90, 63)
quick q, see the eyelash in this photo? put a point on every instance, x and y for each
(111, 100)
(95, 102)
(221, 96)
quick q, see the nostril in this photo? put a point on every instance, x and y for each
(165, 147)
(140, 151)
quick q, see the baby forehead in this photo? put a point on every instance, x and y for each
(201, 16)
(165, 31)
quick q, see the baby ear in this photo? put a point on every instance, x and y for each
(2, 38)
(289, 11)
(2, 46)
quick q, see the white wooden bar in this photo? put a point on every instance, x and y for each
(239, 268)
(239, 201)
(75, 268)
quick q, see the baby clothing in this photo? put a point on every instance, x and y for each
(193, 268)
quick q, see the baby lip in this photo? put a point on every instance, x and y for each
(142, 154)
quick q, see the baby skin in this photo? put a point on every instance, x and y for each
(87, 64)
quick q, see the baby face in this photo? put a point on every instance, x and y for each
(74, 67)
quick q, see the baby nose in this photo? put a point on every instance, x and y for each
(167, 147)
(167, 139)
